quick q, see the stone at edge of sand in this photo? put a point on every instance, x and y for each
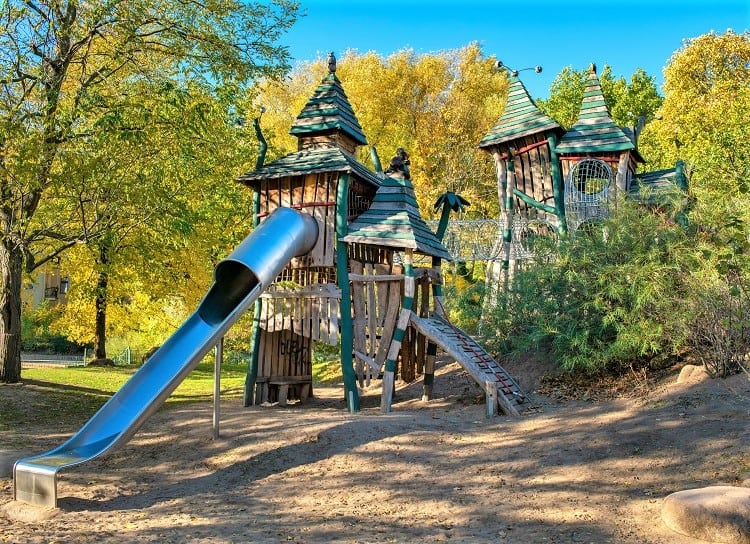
(26, 513)
(691, 373)
(719, 514)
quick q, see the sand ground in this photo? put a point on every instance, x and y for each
(585, 470)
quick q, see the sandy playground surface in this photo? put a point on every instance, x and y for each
(592, 470)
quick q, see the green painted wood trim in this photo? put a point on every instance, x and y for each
(532, 202)
(248, 397)
(443, 223)
(351, 394)
(262, 145)
(558, 186)
(377, 165)
(507, 231)
(398, 335)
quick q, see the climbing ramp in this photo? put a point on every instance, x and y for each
(500, 388)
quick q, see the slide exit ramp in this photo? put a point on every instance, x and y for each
(238, 281)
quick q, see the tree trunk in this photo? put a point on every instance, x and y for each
(11, 274)
(100, 330)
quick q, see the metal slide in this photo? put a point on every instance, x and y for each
(238, 282)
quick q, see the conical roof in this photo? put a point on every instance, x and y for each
(393, 220)
(521, 117)
(314, 161)
(594, 131)
(327, 110)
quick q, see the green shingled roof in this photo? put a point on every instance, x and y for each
(328, 109)
(594, 131)
(393, 220)
(520, 118)
(312, 162)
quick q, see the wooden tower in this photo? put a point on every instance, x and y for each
(386, 288)
(530, 186)
(310, 300)
(597, 158)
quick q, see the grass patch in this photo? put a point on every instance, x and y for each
(326, 364)
(73, 394)
(327, 372)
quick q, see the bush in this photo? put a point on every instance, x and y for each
(607, 299)
(721, 311)
(36, 335)
(721, 329)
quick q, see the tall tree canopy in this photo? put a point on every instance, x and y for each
(704, 121)
(67, 69)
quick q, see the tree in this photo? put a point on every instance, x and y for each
(57, 65)
(704, 122)
(178, 213)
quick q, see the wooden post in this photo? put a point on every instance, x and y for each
(429, 364)
(252, 367)
(496, 270)
(403, 321)
(510, 185)
(351, 394)
(491, 396)
(218, 359)
(558, 186)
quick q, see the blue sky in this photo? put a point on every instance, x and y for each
(623, 34)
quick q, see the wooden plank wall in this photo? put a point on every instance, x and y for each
(533, 173)
(311, 311)
(414, 345)
(283, 354)
(316, 195)
(376, 301)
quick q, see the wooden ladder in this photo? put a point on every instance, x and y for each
(500, 387)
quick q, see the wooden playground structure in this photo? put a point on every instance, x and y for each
(359, 288)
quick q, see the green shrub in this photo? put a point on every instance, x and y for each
(36, 335)
(607, 299)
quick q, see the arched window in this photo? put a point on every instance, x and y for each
(587, 192)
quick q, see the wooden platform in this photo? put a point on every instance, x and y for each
(500, 387)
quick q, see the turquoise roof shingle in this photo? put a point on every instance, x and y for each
(594, 131)
(328, 109)
(312, 162)
(521, 118)
(393, 220)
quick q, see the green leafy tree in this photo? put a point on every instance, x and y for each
(58, 62)
(178, 207)
(704, 122)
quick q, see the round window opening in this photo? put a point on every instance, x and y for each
(591, 176)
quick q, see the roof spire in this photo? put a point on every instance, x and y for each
(331, 63)
(594, 131)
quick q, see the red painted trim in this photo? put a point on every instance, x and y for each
(605, 159)
(530, 147)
